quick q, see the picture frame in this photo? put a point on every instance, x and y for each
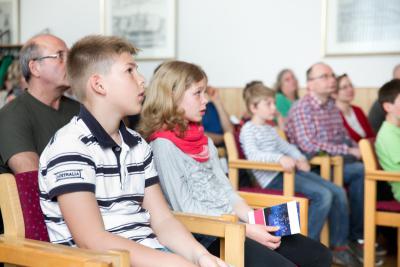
(149, 24)
(9, 22)
(360, 27)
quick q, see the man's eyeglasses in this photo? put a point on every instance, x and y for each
(323, 77)
(59, 55)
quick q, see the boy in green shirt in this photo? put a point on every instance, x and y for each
(387, 143)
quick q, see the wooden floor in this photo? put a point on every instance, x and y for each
(390, 261)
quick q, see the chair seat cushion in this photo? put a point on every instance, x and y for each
(391, 205)
(266, 191)
(28, 191)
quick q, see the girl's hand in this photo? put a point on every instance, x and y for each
(260, 233)
(208, 260)
(303, 165)
(287, 163)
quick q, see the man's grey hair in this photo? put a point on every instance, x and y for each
(28, 52)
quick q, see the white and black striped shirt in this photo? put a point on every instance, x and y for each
(83, 157)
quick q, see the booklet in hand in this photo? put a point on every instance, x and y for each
(286, 216)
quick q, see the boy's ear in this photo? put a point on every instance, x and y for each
(387, 106)
(95, 83)
(253, 107)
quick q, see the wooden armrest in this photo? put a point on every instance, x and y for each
(257, 165)
(232, 234)
(380, 175)
(208, 225)
(27, 252)
(257, 201)
(325, 166)
(336, 160)
(288, 177)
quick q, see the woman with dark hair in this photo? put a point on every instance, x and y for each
(354, 119)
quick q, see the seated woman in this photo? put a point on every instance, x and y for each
(287, 91)
(191, 176)
(354, 119)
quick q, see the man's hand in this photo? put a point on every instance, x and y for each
(287, 163)
(213, 95)
(355, 152)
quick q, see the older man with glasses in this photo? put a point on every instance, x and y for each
(28, 122)
(315, 126)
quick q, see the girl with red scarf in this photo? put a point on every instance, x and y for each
(190, 173)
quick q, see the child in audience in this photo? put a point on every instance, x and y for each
(190, 174)
(98, 184)
(261, 142)
(387, 143)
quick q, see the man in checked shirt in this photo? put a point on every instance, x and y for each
(315, 126)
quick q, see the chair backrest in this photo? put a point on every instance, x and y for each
(231, 146)
(368, 155)
(20, 206)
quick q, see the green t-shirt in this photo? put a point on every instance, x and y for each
(26, 124)
(387, 147)
(283, 104)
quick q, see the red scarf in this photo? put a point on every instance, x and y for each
(194, 142)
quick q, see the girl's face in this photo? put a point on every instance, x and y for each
(346, 91)
(194, 101)
(289, 82)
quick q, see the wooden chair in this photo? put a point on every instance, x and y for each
(324, 162)
(234, 164)
(383, 213)
(18, 250)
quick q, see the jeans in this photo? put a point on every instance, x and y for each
(327, 200)
(353, 175)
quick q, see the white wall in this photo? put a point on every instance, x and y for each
(235, 41)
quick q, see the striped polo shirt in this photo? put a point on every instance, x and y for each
(81, 156)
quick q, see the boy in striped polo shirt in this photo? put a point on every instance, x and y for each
(98, 185)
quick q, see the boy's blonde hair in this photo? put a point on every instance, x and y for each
(253, 94)
(166, 90)
(94, 54)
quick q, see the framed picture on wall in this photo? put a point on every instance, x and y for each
(9, 22)
(361, 27)
(149, 24)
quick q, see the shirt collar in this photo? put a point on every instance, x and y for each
(317, 103)
(101, 135)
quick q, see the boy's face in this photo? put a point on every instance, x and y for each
(125, 85)
(393, 109)
(194, 101)
(265, 109)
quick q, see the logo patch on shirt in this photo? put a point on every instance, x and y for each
(69, 174)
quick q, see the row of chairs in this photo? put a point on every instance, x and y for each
(383, 213)
(19, 205)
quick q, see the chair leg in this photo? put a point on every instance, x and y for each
(398, 246)
(369, 223)
(324, 237)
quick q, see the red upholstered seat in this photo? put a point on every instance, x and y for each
(391, 205)
(28, 191)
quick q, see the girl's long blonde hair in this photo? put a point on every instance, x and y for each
(167, 87)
